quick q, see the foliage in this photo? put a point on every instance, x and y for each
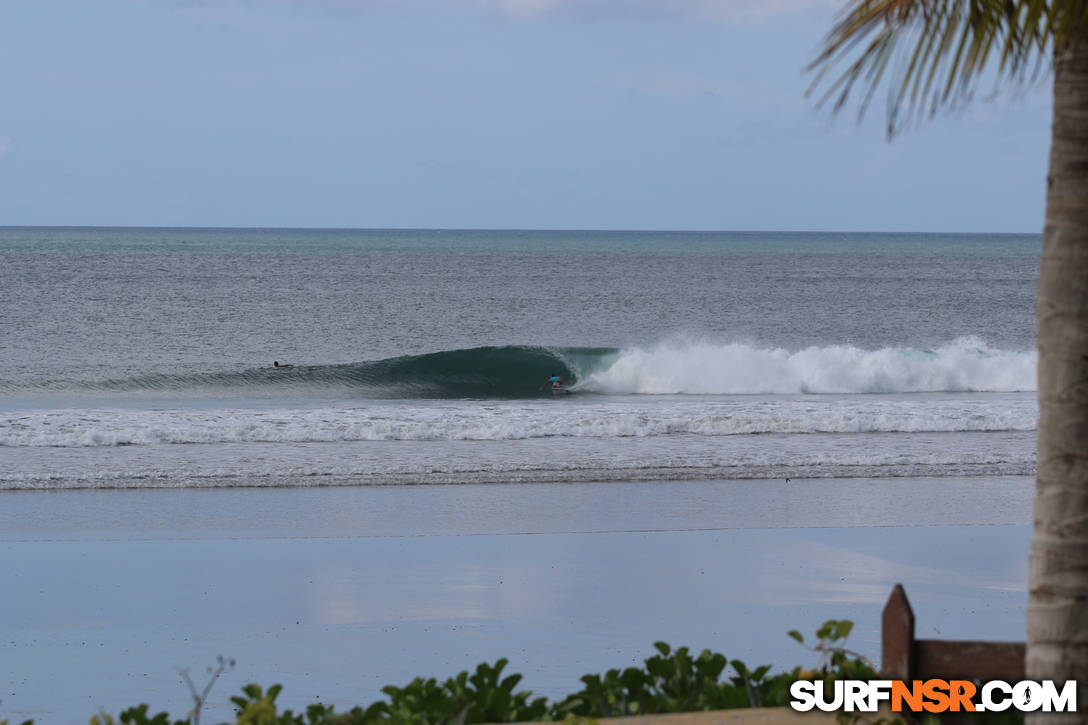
(670, 681)
(479, 698)
(137, 716)
(938, 50)
(837, 662)
(676, 681)
(201, 698)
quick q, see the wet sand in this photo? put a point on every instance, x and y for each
(337, 592)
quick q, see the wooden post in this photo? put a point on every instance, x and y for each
(897, 655)
(952, 660)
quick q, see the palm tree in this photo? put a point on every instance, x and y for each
(932, 54)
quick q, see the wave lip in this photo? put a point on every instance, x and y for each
(963, 365)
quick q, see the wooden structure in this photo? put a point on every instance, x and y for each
(905, 658)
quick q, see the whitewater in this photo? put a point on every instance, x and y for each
(963, 365)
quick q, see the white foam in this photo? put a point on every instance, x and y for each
(880, 455)
(591, 417)
(685, 367)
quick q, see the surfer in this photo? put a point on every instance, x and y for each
(555, 382)
(276, 364)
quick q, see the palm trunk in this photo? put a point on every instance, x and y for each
(1057, 617)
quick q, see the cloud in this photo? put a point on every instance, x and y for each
(740, 11)
(733, 11)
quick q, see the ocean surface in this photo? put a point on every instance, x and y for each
(143, 358)
(405, 501)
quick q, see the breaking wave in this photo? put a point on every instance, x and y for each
(673, 367)
(964, 365)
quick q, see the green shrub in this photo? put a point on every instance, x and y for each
(669, 681)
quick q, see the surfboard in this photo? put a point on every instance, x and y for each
(558, 389)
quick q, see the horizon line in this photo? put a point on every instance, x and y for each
(499, 229)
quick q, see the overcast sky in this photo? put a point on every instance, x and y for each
(552, 114)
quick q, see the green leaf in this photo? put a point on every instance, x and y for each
(796, 635)
(936, 53)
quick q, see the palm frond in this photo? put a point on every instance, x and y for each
(933, 53)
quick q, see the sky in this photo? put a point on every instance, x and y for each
(515, 114)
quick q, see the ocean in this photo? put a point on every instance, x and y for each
(764, 431)
(143, 358)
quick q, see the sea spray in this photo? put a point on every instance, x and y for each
(682, 367)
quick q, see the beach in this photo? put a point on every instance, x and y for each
(336, 592)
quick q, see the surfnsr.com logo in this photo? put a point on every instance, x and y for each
(935, 696)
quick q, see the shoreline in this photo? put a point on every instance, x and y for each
(522, 508)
